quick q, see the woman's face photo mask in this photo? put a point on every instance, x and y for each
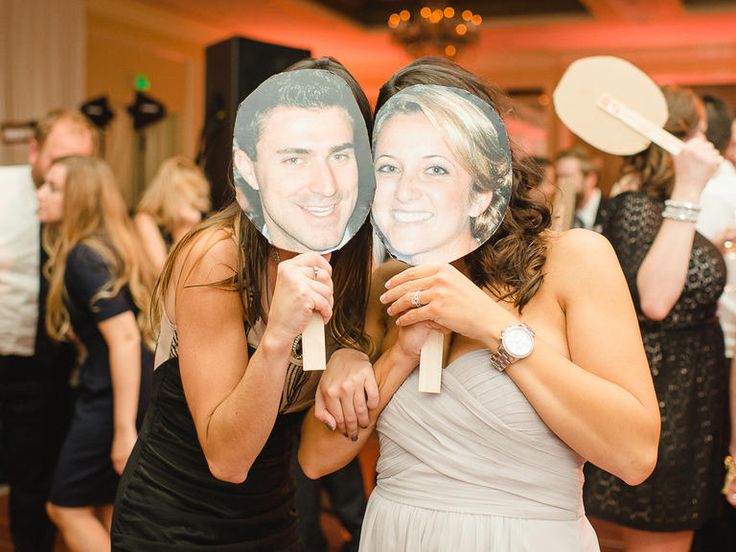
(302, 162)
(443, 174)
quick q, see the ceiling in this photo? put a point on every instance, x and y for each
(377, 12)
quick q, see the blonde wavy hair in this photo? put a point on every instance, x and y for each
(96, 215)
(178, 180)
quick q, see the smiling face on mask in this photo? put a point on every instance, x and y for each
(307, 176)
(302, 160)
(443, 173)
(424, 196)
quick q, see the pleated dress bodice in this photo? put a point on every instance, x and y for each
(473, 468)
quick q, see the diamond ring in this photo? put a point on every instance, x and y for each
(415, 299)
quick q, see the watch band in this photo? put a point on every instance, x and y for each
(501, 360)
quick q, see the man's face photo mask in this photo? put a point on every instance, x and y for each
(302, 162)
(443, 174)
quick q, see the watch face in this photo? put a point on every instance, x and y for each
(518, 342)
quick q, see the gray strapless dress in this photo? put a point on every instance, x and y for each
(473, 468)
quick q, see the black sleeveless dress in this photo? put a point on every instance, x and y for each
(690, 372)
(169, 500)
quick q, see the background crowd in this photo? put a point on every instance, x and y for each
(78, 273)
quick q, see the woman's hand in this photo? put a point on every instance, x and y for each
(303, 285)
(346, 391)
(449, 301)
(122, 444)
(694, 166)
(412, 338)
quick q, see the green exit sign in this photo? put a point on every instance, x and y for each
(141, 82)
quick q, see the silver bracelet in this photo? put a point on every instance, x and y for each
(683, 205)
(684, 215)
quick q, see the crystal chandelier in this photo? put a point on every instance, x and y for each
(434, 31)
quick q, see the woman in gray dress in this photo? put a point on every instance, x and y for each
(534, 383)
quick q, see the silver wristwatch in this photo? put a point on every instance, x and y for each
(517, 342)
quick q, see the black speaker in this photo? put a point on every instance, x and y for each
(234, 68)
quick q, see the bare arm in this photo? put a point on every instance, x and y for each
(661, 277)
(234, 400)
(607, 377)
(123, 340)
(153, 243)
(323, 450)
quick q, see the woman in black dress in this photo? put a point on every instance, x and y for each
(676, 277)
(99, 290)
(212, 466)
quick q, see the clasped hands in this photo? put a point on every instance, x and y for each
(447, 301)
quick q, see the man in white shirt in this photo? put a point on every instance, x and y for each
(717, 222)
(576, 166)
(718, 211)
(34, 391)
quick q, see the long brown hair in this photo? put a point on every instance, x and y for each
(95, 215)
(654, 166)
(510, 263)
(351, 265)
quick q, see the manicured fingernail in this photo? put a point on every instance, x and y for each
(388, 283)
(382, 297)
(364, 427)
(330, 426)
(346, 435)
(354, 438)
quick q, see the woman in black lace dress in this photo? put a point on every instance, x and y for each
(676, 276)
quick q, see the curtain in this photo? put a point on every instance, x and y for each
(42, 62)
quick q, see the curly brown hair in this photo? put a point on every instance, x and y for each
(654, 166)
(510, 263)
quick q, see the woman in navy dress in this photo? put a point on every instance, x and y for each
(100, 285)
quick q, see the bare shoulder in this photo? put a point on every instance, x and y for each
(580, 260)
(145, 222)
(210, 256)
(143, 218)
(577, 248)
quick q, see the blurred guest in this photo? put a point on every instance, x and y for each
(718, 200)
(717, 222)
(676, 277)
(100, 284)
(543, 180)
(175, 201)
(34, 372)
(731, 149)
(577, 167)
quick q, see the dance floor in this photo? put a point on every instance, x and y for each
(335, 534)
